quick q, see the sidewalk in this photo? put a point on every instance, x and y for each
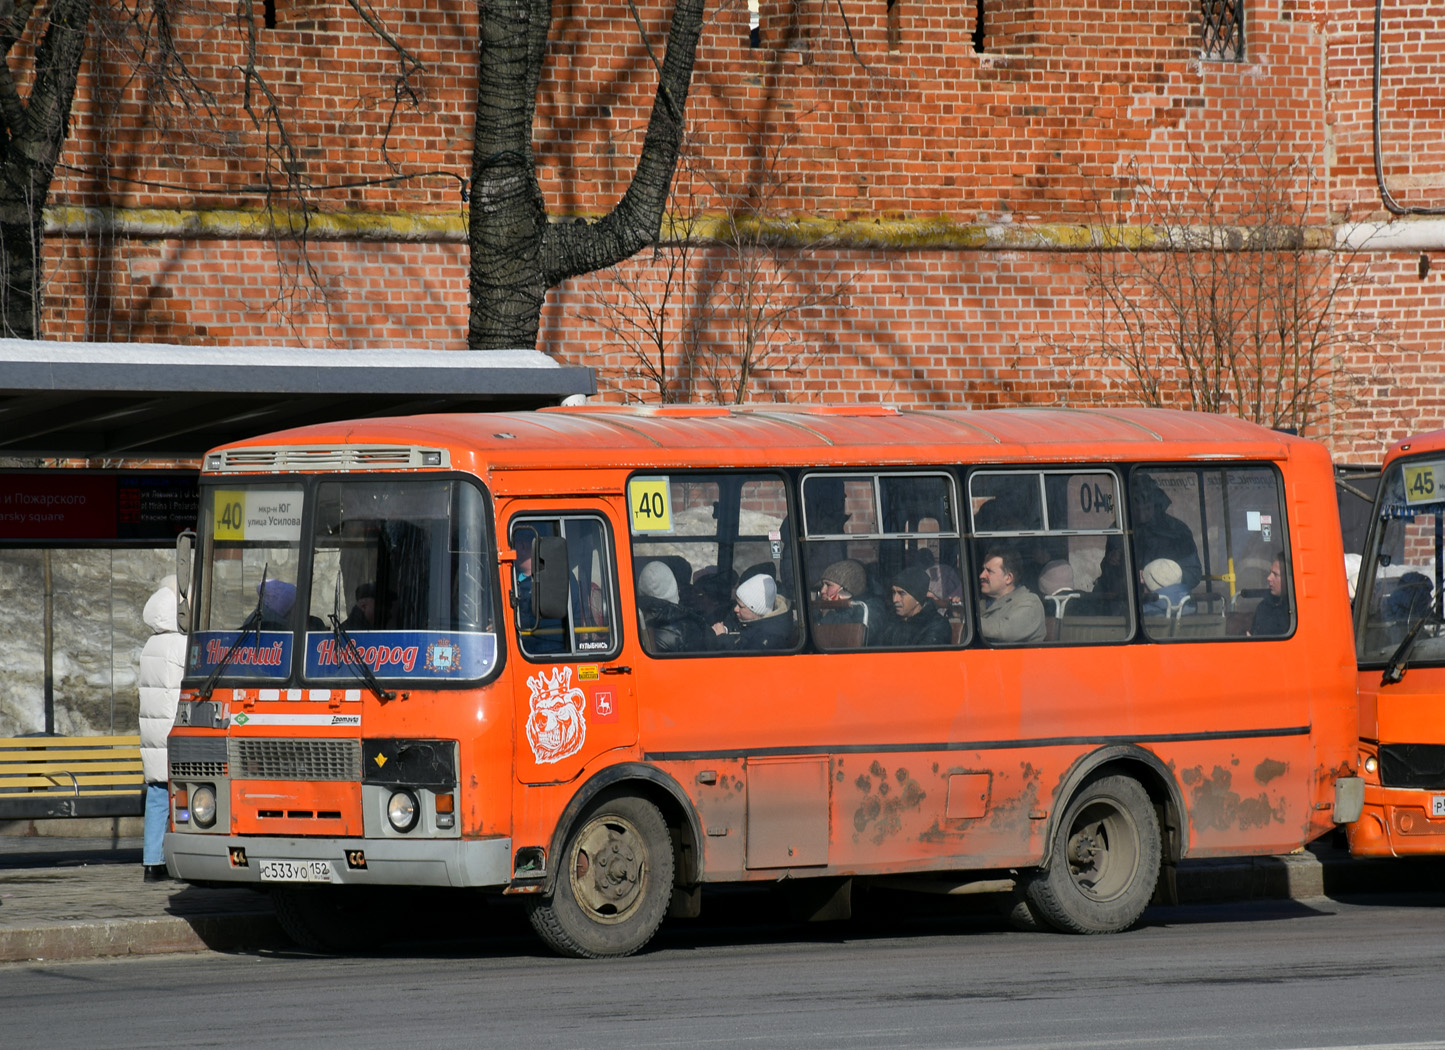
(83, 898)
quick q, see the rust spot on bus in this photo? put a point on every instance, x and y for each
(1269, 769)
(1216, 806)
(882, 813)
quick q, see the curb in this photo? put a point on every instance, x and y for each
(167, 935)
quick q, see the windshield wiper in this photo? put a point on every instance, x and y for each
(210, 685)
(1395, 670)
(348, 651)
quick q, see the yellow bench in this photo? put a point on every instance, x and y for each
(70, 776)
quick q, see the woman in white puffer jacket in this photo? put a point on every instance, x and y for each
(162, 664)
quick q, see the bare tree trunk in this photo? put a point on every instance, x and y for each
(516, 254)
(35, 131)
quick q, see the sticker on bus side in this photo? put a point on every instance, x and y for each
(556, 724)
(649, 505)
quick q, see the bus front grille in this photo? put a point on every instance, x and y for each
(253, 759)
(1412, 765)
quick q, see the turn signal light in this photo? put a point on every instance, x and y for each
(446, 810)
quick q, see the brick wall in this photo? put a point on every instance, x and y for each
(918, 159)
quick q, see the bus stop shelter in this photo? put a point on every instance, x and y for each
(81, 549)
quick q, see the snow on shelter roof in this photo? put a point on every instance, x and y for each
(148, 399)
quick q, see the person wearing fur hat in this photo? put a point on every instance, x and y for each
(1010, 611)
(670, 628)
(916, 621)
(762, 616)
(841, 592)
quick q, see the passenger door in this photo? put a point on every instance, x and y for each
(574, 694)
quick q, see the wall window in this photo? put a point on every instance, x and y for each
(882, 557)
(713, 560)
(1050, 556)
(587, 631)
(1222, 30)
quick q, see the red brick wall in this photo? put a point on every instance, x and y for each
(1039, 128)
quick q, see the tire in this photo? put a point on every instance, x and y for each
(334, 920)
(613, 884)
(1105, 860)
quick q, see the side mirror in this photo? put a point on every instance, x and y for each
(185, 561)
(551, 582)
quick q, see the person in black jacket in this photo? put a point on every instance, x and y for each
(669, 628)
(1271, 615)
(916, 622)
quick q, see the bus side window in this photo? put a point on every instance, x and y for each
(1212, 554)
(1051, 560)
(697, 539)
(587, 630)
(885, 571)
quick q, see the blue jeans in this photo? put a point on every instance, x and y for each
(158, 813)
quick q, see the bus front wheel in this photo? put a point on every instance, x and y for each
(613, 885)
(1105, 860)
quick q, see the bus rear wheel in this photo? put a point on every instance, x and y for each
(613, 885)
(1105, 860)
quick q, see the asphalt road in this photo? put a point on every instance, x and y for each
(1366, 972)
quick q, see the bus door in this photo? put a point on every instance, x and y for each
(574, 694)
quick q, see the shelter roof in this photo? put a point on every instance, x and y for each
(107, 400)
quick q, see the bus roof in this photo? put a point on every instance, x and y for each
(770, 435)
(1431, 441)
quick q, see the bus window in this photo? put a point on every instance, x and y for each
(250, 549)
(895, 530)
(587, 631)
(713, 533)
(1045, 539)
(1211, 548)
(1399, 578)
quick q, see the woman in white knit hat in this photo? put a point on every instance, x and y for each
(763, 617)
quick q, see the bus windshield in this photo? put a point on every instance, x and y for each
(1399, 585)
(391, 573)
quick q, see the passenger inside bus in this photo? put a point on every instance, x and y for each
(1271, 615)
(537, 636)
(1162, 588)
(762, 617)
(843, 614)
(277, 597)
(667, 626)
(1009, 611)
(362, 616)
(916, 620)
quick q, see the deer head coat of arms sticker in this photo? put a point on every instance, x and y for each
(556, 726)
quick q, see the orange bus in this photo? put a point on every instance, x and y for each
(599, 657)
(1400, 649)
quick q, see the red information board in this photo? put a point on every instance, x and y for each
(47, 507)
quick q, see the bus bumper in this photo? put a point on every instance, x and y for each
(360, 862)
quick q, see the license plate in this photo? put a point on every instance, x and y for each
(1437, 806)
(296, 871)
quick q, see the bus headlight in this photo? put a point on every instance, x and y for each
(203, 805)
(1371, 764)
(402, 810)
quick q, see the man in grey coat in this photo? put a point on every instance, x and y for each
(1010, 612)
